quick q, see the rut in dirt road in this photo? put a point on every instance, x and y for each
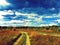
(23, 39)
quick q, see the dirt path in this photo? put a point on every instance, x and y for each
(27, 39)
(18, 40)
(51, 34)
(24, 39)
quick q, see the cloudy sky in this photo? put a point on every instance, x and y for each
(29, 12)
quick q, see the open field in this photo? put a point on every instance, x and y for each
(7, 37)
(29, 36)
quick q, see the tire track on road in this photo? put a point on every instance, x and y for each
(24, 38)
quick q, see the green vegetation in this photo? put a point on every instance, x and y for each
(23, 42)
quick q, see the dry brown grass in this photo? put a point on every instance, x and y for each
(6, 37)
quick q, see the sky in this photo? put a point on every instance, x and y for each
(34, 13)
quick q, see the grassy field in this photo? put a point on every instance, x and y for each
(33, 36)
(7, 37)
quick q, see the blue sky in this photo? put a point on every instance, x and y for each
(29, 12)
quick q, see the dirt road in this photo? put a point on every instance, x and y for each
(23, 39)
(51, 34)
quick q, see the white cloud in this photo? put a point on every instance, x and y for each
(56, 15)
(1, 17)
(6, 12)
(52, 9)
(10, 12)
(50, 24)
(27, 24)
(4, 3)
(27, 20)
(18, 13)
(58, 20)
(16, 21)
(39, 19)
(31, 15)
(12, 23)
(43, 25)
(31, 18)
(48, 16)
(52, 16)
(3, 23)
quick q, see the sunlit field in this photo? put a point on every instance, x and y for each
(7, 36)
(29, 22)
(29, 36)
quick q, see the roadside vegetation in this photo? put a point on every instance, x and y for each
(49, 35)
